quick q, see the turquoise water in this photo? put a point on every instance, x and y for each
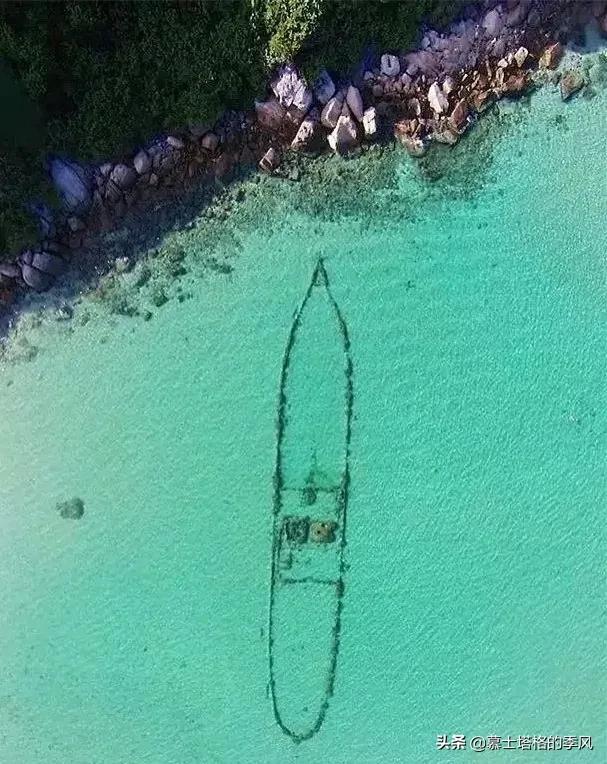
(475, 587)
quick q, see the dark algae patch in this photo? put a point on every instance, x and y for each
(463, 170)
(73, 509)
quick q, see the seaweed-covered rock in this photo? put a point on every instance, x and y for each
(296, 529)
(72, 509)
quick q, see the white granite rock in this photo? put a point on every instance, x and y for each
(344, 136)
(521, 56)
(436, 98)
(369, 121)
(448, 85)
(291, 89)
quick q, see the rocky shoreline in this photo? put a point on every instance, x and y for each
(433, 94)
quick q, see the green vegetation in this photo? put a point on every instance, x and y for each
(93, 79)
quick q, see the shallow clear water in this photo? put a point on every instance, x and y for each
(476, 520)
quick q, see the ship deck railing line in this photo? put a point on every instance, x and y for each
(311, 580)
(320, 489)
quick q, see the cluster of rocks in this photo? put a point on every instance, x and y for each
(431, 94)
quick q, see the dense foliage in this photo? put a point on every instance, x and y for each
(94, 78)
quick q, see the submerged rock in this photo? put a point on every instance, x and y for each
(521, 56)
(10, 270)
(322, 532)
(571, 82)
(209, 142)
(493, 23)
(72, 509)
(459, 116)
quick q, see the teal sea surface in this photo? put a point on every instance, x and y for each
(473, 288)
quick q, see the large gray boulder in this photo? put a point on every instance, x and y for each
(270, 114)
(48, 263)
(72, 182)
(10, 270)
(142, 162)
(493, 23)
(332, 111)
(355, 102)
(123, 176)
(36, 279)
(324, 87)
(307, 133)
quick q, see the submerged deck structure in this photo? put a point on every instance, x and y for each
(311, 484)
